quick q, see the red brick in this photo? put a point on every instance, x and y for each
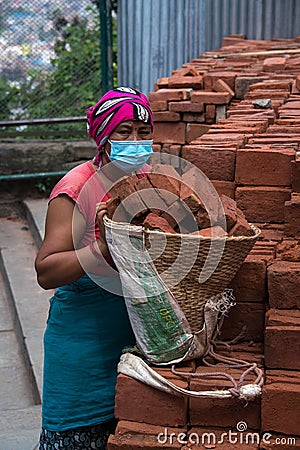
(298, 82)
(229, 210)
(210, 98)
(294, 105)
(193, 117)
(193, 182)
(186, 81)
(246, 350)
(156, 147)
(191, 177)
(284, 285)
(168, 132)
(288, 250)
(204, 220)
(138, 442)
(286, 113)
(250, 282)
(129, 433)
(210, 78)
(282, 339)
(194, 130)
(257, 126)
(221, 86)
(141, 403)
(296, 175)
(292, 217)
(162, 193)
(150, 195)
(134, 206)
(271, 232)
(224, 188)
(170, 95)
(282, 376)
(155, 222)
(112, 205)
(176, 213)
(262, 204)
(165, 176)
(215, 164)
(210, 113)
(268, 94)
(281, 407)
(161, 83)
(236, 140)
(210, 412)
(241, 227)
(274, 64)
(274, 139)
(159, 105)
(166, 116)
(187, 106)
(245, 316)
(259, 167)
(211, 232)
(171, 149)
(264, 250)
(128, 427)
(191, 200)
(186, 70)
(123, 187)
(271, 84)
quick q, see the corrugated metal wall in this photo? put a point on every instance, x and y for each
(256, 19)
(158, 36)
(155, 37)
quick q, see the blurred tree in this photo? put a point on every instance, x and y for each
(75, 81)
(8, 98)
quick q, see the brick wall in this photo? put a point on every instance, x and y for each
(235, 114)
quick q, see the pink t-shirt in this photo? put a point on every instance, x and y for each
(83, 185)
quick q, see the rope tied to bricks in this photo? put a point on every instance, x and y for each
(239, 389)
(136, 367)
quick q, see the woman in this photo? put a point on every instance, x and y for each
(88, 324)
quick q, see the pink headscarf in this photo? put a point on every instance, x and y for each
(116, 106)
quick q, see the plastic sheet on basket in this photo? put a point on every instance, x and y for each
(162, 331)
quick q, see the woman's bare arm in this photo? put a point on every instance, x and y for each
(57, 262)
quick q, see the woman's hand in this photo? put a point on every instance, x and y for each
(101, 210)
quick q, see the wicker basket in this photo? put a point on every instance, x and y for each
(180, 259)
(188, 253)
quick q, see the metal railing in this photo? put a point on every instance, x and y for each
(28, 128)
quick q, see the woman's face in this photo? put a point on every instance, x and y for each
(132, 130)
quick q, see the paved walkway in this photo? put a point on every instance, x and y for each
(23, 313)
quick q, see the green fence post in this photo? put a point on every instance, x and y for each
(106, 45)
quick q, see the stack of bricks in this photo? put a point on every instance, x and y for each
(235, 114)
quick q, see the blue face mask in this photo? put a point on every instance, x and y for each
(130, 156)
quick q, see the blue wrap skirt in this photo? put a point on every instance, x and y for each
(87, 328)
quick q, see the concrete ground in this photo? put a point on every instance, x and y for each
(23, 314)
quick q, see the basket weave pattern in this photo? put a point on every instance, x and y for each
(190, 294)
